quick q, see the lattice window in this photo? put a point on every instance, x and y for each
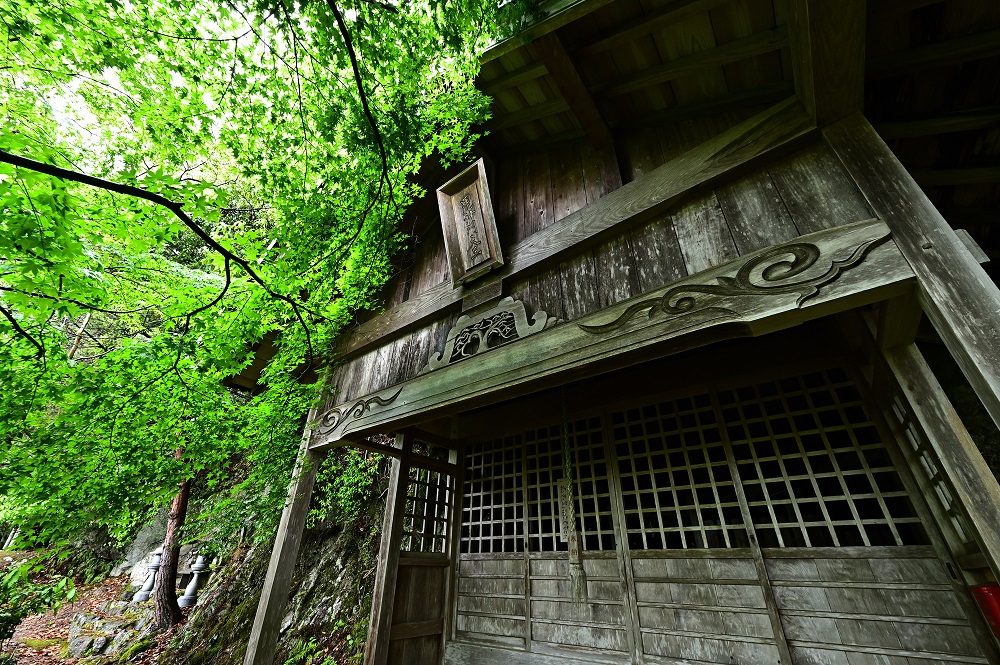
(677, 488)
(425, 520)
(923, 461)
(544, 463)
(593, 491)
(493, 506)
(813, 467)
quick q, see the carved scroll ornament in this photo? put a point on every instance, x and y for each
(469, 336)
(334, 418)
(784, 269)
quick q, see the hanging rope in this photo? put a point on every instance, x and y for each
(567, 510)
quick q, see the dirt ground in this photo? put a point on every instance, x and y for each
(48, 634)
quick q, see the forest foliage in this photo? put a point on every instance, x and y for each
(178, 180)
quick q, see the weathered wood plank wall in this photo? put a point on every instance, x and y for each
(805, 192)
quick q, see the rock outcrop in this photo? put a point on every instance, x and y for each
(115, 628)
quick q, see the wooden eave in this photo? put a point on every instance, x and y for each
(925, 72)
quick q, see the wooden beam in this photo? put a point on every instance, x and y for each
(405, 631)
(521, 75)
(958, 297)
(970, 244)
(411, 459)
(710, 58)
(780, 128)
(528, 114)
(383, 595)
(975, 486)
(898, 321)
(567, 78)
(277, 582)
(760, 96)
(947, 177)
(944, 125)
(852, 265)
(672, 12)
(555, 14)
(951, 52)
(827, 39)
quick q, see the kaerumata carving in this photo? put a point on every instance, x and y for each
(493, 328)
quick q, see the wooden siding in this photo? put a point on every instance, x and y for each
(805, 192)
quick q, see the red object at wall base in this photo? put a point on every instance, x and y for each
(988, 598)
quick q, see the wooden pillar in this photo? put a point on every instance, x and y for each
(383, 596)
(975, 486)
(958, 297)
(274, 597)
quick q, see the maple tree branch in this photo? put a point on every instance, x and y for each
(9, 315)
(172, 206)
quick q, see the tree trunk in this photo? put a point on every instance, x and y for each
(168, 613)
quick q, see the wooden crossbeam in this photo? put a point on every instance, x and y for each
(943, 125)
(408, 458)
(945, 177)
(511, 79)
(951, 52)
(567, 78)
(740, 49)
(643, 25)
(530, 113)
(827, 44)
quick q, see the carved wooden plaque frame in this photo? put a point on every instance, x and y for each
(469, 226)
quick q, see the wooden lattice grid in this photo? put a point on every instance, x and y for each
(813, 465)
(544, 465)
(923, 462)
(677, 488)
(493, 502)
(426, 513)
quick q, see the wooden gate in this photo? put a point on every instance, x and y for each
(760, 523)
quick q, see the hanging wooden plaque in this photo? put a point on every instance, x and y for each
(470, 229)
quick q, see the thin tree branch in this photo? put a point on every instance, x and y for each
(172, 206)
(22, 332)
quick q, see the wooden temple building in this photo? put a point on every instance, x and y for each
(650, 365)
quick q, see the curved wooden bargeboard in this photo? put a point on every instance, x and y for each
(771, 289)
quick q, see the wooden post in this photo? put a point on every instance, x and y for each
(976, 489)
(827, 39)
(264, 635)
(958, 297)
(377, 647)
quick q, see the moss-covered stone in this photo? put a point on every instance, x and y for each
(326, 619)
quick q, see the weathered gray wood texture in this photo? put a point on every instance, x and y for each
(535, 243)
(833, 270)
(958, 297)
(277, 583)
(418, 612)
(872, 605)
(806, 192)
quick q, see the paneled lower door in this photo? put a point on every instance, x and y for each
(760, 523)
